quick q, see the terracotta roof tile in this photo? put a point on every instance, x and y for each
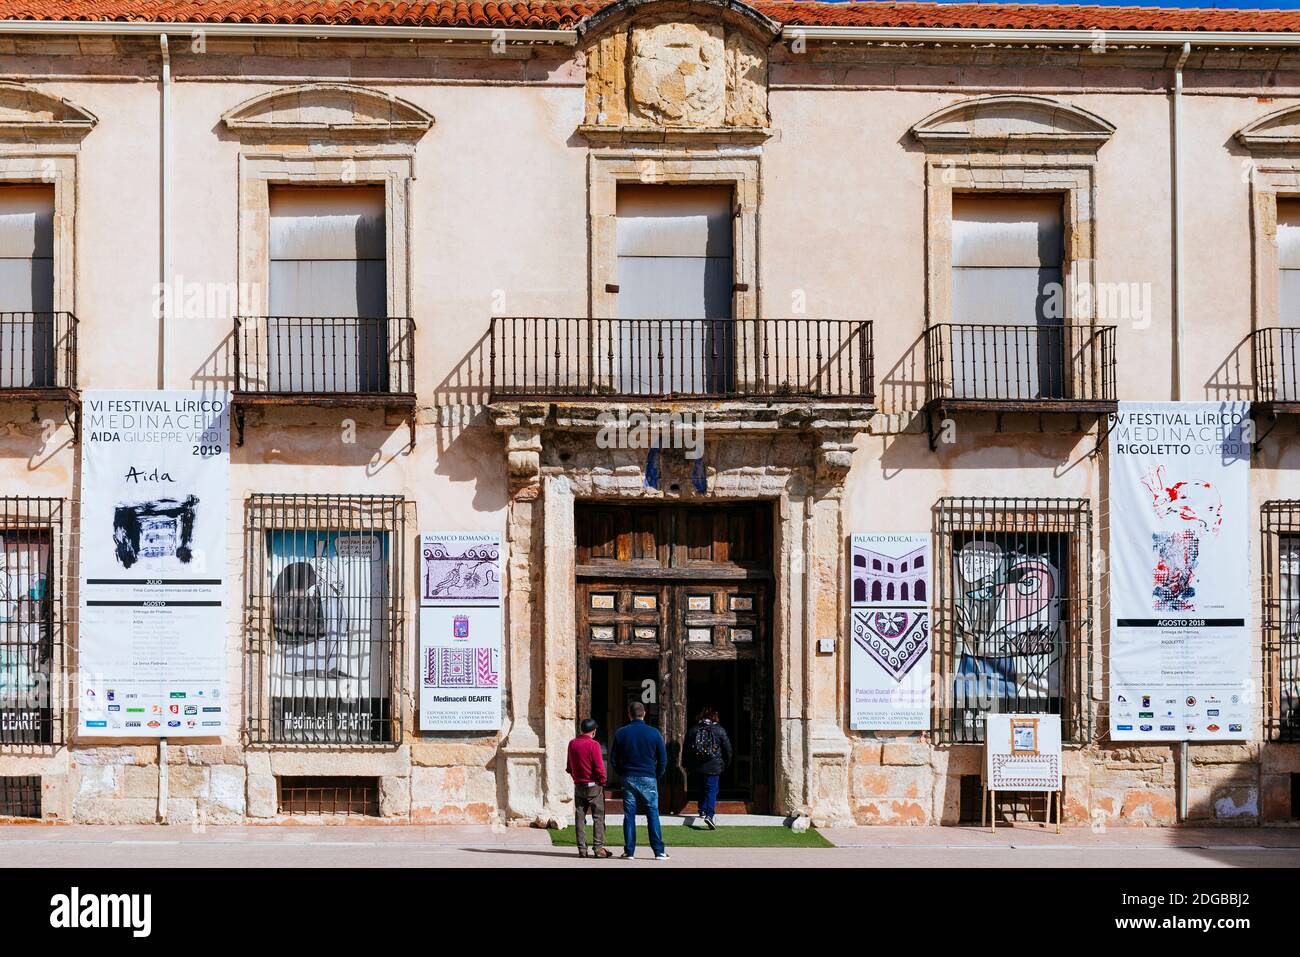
(547, 15)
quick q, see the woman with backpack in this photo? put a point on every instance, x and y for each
(706, 755)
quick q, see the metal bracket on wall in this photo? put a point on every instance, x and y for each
(1272, 424)
(72, 415)
(239, 424)
(1103, 433)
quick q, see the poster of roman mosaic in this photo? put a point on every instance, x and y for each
(889, 628)
(154, 522)
(1180, 571)
(460, 631)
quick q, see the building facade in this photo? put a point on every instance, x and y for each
(675, 296)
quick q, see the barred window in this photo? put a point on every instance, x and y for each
(326, 618)
(1280, 528)
(1014, 612)
(32, 620)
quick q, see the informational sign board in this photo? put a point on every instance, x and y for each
(889, 624)
(155, 479)
(460, 631)
(1022, 752)
(1180, 571)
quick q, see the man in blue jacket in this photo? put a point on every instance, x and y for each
(640, 759)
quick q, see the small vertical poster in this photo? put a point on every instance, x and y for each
(889, 624)
(154, 522)
(1180, 571)
(460, 631)
(1022, 752)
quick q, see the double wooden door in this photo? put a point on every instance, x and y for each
(679, 634)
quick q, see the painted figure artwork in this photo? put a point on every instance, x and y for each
(882, 578)
(1008, 619)
(895, 638)
(460, 571)
(327, 608)
(1189, 510)
(25, 648)
(161, 530)
(1176, 556)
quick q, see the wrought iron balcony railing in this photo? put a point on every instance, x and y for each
(1034, 367)
(1276, 354)
(38, 352)
(324, 357)
(682, 358)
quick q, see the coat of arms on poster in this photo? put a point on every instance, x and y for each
(1022, 752)
(460, 631)
(889, 624)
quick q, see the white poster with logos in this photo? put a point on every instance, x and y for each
(155, 479)
(889, 628)
(460, 631)
(1180, 571)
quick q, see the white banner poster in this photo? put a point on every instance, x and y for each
(1180, 571)
(889, 624)
(155, 479)
(460, 631)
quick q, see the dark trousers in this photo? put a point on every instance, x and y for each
(589, 797)
(706, 793)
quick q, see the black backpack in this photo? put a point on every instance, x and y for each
(704, 743)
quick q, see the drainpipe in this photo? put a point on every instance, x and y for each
(164, 307)
(1176, 197)
(165, 188)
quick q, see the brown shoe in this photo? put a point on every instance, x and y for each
(601, 852)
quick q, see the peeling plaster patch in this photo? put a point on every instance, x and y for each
(1227, 807)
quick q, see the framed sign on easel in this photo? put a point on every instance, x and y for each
(1022, 752)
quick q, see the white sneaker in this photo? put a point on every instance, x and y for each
(663, 857)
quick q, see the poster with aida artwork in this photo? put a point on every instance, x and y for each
(1180, 571)
(889, 631)
(460, 631)
(155, 475)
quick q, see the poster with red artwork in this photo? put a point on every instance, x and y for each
(1180, 572)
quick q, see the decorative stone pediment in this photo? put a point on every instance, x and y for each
(677, 68)
(31, 114)
(1276, 132)
(1012, 120)
(333, 110)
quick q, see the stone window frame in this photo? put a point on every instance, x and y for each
(1072, 177)
(607, 171)
(346, 512)
(261, 169)
(34, 166)
(1070, 518)
(1268, 183)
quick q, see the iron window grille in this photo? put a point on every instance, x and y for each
(20, 796)
(1014, 626)
(348, 796)
(1280, 534)
(33, 620)
(325, 619)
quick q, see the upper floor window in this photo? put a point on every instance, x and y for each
(1007, 301)
(28, 330)
(327, 291)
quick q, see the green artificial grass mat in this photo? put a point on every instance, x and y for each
(679, 835)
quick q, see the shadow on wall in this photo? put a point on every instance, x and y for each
(902, 388)
(469, 449)
(1234, 378)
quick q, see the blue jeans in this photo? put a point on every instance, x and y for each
(706, 794)
(646, 789)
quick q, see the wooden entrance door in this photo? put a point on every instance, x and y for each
(678, 630)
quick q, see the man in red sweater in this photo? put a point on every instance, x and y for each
(587, 768)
